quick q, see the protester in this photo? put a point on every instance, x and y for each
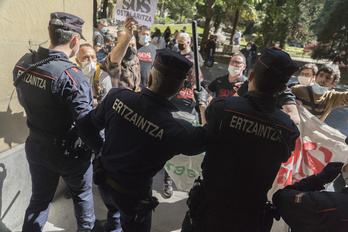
(174, 43)
(237, 36)
(167, 36)
(224, 86)
(97, 77)
(248, 56)
(276, 45)
(146, 54)
(307, 74)
(123, 64)
(99, 33)
(210, 52)
(157, 40)
(150, 136)
(253, 49)
(249, 139)
(109, 44)
(320, 98)
(59, 97)
(304, 207)
(339, 59)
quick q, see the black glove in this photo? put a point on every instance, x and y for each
(330, 172)
(201, 96)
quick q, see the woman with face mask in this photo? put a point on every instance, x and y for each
(158, 41)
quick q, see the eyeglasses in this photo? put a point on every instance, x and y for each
(305, 74)
(238, 63)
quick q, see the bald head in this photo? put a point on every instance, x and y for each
(86, 53)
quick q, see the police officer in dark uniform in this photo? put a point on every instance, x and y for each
(140, 136)
(248, 140)
(55, 94)
(307, 209)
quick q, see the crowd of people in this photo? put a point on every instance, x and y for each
(118, 99)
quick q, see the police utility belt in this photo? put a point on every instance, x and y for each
(51, 141)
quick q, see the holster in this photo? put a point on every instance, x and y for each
(196, 204)
(270, 212)
(144, 207)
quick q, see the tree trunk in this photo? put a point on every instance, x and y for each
(105, 6)
(209, 14)
(235, 22)
(95, 11)
(161, 11)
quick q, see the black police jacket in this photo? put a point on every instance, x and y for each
(54, 94)
(245, 151)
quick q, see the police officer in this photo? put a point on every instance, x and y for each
(307, 209)
(140, 136)
(249, 139)
(55, 94)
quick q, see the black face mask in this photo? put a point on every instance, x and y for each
(181, 47)
(109, 48)
(130, 53)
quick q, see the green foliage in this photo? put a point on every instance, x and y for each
(159, 20)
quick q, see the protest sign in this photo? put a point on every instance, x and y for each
(141, 10)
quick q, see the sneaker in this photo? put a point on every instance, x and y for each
(168, 189)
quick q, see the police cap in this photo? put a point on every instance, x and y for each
(70, 22)
(171, 63)
(276, 60)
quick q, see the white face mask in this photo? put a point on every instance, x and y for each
(304, 80)
(319, 89)
(234, 71)
(277, 45)
(88, 68)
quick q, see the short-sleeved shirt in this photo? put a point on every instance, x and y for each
(222, 87)
(324, 103)
(141, 135)
(126, 74)
(146, 56)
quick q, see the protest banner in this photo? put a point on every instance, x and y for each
(141, 10)
(318, 145)
(181, 168)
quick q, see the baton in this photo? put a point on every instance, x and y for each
(195, 52)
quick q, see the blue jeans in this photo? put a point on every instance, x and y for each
(121, 210)
(46, 165)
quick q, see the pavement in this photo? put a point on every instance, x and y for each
(170, 213)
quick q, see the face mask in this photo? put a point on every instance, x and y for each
(181, 47)
(277, 45)
(248, 48)
(78, 48)
(130, 53)
(109, 48)
(319, 89)
(144, 39)
(104, 30)
(234, 71)
(304, 80)
(88, 68)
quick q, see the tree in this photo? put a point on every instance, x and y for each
(334, 33)
(244, 8)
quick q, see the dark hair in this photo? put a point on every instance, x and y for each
(331, 69)
(57, 35)
(312, 66)
(166, 86)
(157, 33)
(271, 81)
(146, 28)
(109, 38)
